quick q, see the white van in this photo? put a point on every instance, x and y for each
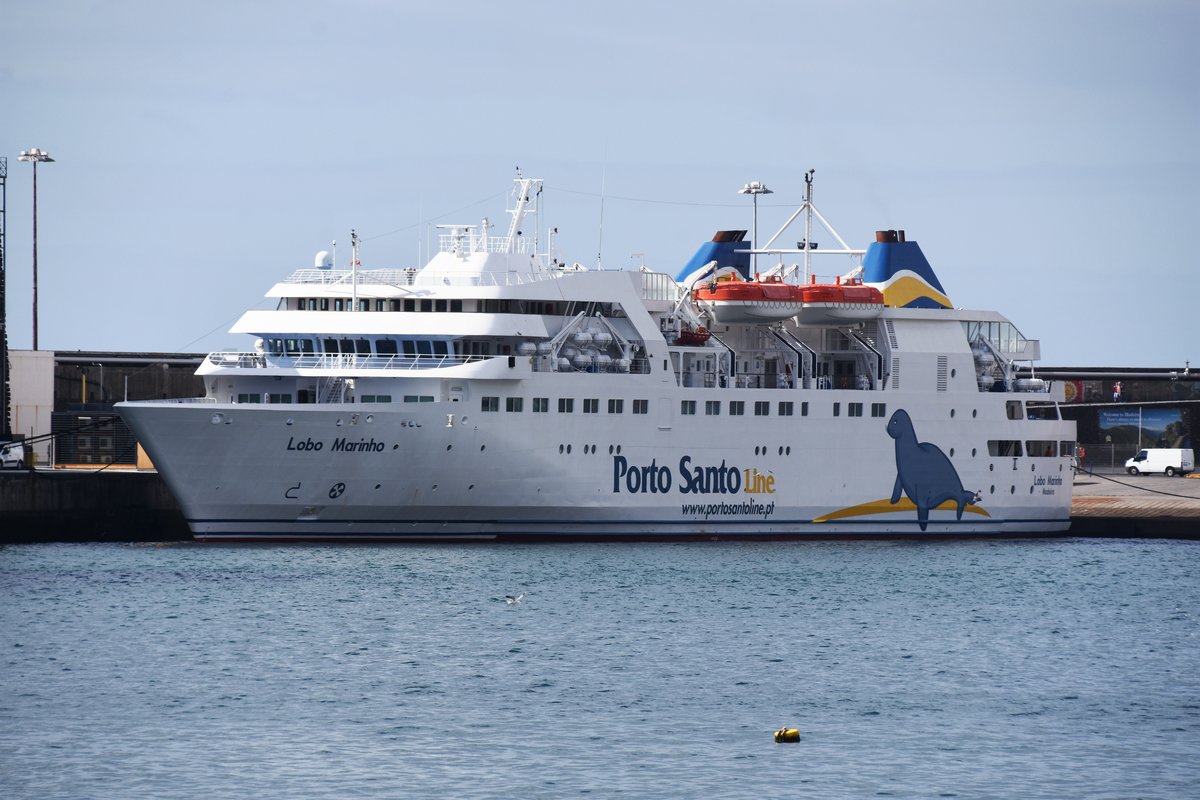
(1169, 461)
(12, 455)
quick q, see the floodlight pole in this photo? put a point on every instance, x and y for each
(35, 155)
(754, 189)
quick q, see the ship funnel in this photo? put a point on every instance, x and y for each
(899, 269)
(722, 249)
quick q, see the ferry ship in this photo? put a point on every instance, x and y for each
(501, 394)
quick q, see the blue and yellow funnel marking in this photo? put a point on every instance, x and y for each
(886, 506)
(899, 269)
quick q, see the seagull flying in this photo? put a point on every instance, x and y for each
(513, 599)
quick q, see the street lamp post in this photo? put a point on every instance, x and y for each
(754, 189)
(35, 155)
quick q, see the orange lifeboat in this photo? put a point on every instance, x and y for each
(735, 301)
(838, 303)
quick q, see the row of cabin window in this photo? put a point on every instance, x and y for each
(712, 408)
(1046, 448)
(307, 397)
(361, 346)
(509, 306)
(347, 304)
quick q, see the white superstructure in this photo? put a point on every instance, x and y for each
(497, 394)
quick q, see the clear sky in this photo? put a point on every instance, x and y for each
(1045, 153)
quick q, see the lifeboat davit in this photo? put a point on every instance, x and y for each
(839, 303)
(733, 302)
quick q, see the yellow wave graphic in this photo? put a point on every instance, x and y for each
(887, 507)
(903, 289)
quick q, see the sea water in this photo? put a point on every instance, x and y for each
(1034, 668)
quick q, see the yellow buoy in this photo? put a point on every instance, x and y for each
(787, 735)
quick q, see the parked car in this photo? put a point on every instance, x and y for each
(12, 455)
(1167, 460)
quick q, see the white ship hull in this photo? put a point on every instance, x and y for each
(408, 475)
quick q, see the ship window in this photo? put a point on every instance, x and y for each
(324, 303)
(339, 304)
(712, 408)
(616, 406)
(330, 345)
(1014, 409)
(410, 305)
(490, 404)
(346, 345)
(837, 409)
(249, 397)
(394, 304)
(804, 409)
(1004, 447)
(1040, 447)
(439, 305)
(514, 404)
(737, 408)
(380, 305)
(362, 347)
(439, 348)
(878, 409)
(376, 398)
(385, 347)
(364, 305)
(687, 407)
(456, 305)
(566, 405)
(427, 305)
(786, 408)
(424, 348)
(312, 304)
(279, 398)
(306, 396)
(854, 409)
(1041, 411)
(1066, 448)
(591, 405)
(541, 405)
(762, 408)
(641, 406)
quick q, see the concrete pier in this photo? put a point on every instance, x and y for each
(1124, 505)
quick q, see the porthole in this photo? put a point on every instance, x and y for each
(338, 423)
(992, 490)
(952, 413)
(482, 447)
(618, 449)
(370, 418)
(952, 452)
(1012, 490)
(991, 467)
(788, 450)
(568, 449)
(972, 452)
(974, 413)
(469, 488)
(610, 449)
(290, 421)
(560, 449)
(781, 450)
(449, 446)
(953, 373)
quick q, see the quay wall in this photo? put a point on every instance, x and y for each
(87, 505)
